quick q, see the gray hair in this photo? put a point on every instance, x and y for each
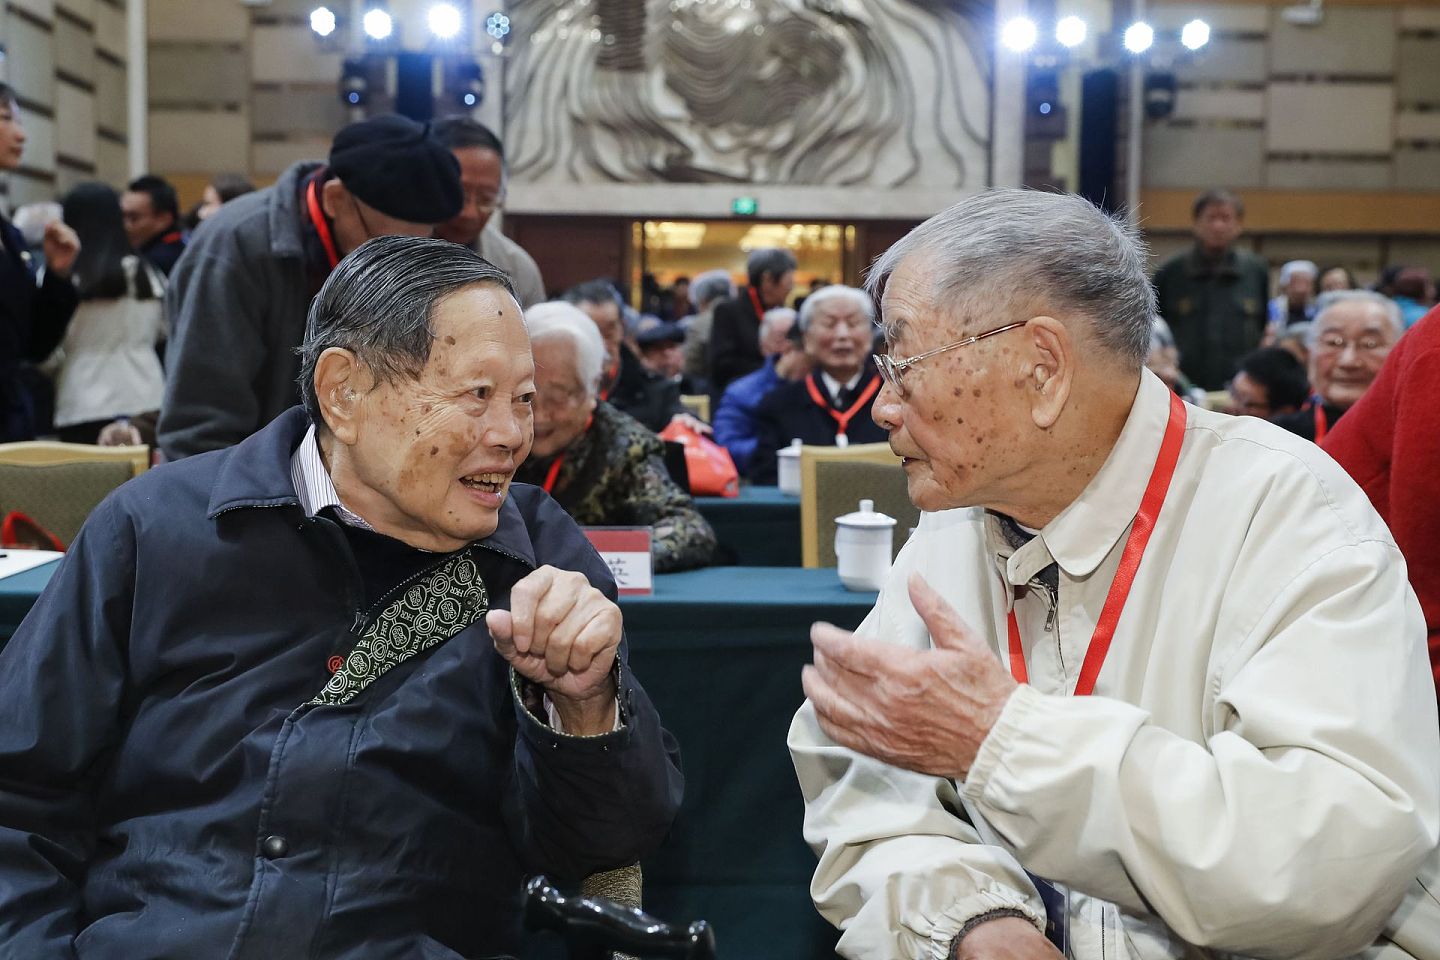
(379, 302)
(1006, 244)
(1337, 298)
(773, 318)
(856, 297)
(1293, 267)
(710, 286)
(558, 319)
(771, 261)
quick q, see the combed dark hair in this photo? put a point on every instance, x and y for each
(1217, 195)
(161, 193)
(768, 261)
(594, 291)
(92, 210)
(7, 95)
(1280, 373)
(228, 186)
(459, 132)
(1008, 248)
(378, 304)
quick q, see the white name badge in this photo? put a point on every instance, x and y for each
(626, 551)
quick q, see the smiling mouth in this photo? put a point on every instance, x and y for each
(486, 482)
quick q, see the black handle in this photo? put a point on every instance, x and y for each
(594, 927)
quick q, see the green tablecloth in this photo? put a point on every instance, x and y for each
(720, 652)
(759, 528)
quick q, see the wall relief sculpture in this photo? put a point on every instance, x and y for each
(867, 93)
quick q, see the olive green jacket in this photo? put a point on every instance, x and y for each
(1217, 309)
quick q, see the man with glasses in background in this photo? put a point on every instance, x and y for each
(482, 179)
(1147, 681)
(238, 297)
(830, 407)
(1349, 340)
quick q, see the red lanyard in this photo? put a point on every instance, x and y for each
(553, 473)
(842, 419)
(755, 299)
(1140, 531)
(322, 228)
(1322, 422)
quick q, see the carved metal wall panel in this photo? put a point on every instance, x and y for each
(866, 93)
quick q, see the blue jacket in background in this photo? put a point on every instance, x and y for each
(735, 425)
(175, 784)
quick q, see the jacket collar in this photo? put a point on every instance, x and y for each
(285, 213)
(256, 473)
(1086, 531)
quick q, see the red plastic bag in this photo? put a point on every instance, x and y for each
(712, 472)
(19, 532)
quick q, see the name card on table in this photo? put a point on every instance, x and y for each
(627, 552)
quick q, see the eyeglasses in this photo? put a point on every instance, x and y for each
(1335, 343)
(894, 370)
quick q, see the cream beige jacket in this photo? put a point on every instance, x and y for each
(1257, 772)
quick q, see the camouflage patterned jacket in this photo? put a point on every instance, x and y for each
(614, 475)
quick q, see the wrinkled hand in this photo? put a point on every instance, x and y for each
(921, 710)
(1006, 938)
(562, 633)
(121, 433)
(61, 245)
(691, 423)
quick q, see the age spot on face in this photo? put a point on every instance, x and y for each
(434, 450)
(450, 341)
(975, 393)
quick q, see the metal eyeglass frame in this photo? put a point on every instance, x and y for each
(894, 370)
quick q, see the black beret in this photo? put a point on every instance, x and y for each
(397, 166)
(658, 331)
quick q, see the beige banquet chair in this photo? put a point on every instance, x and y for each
(58, 484)
(833, 481)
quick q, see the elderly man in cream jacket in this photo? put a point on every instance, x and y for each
(1147, 681)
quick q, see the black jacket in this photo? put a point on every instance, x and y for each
(734, 342)
(164, 249)
(236, 304)
(644, 394)
(180, 779)
(33, 318)
(1302, 421)
(789, 411)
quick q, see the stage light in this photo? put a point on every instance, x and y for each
(1139, 37)
(1195, 34)
(498, 26)
(1070, 32)
(444, 20)
(377, 24)
(322, 21)
(1019, 34)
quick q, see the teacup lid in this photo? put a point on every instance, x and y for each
(791, 451)
(866, 517)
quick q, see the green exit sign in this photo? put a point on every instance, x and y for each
(744, 206)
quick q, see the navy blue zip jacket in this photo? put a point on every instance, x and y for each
(181, 775)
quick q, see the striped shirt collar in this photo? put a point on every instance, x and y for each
(313, 484)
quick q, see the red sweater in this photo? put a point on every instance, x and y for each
(1390, 443)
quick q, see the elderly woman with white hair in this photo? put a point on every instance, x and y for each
(603, 466)
(831, 406)
(1295, 302)
(1348, 342)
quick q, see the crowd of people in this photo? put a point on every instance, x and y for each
(345, 371)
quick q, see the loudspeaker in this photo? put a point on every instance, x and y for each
(414, 90)
(1099, 134)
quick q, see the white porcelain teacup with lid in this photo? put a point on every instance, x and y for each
(864, 547)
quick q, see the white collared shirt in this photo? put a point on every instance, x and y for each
(313, 484)
(1257, 772)
(834, 386)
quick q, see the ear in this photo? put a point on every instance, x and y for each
(332, 196)
(1052, 369)
(338, 373)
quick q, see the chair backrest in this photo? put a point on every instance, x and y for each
(697, 405)
(58, 484)
(833, 481)
(52, 451)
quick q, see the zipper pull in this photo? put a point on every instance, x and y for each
(1050, 618)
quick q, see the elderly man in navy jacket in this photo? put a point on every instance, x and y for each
(335, 691)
